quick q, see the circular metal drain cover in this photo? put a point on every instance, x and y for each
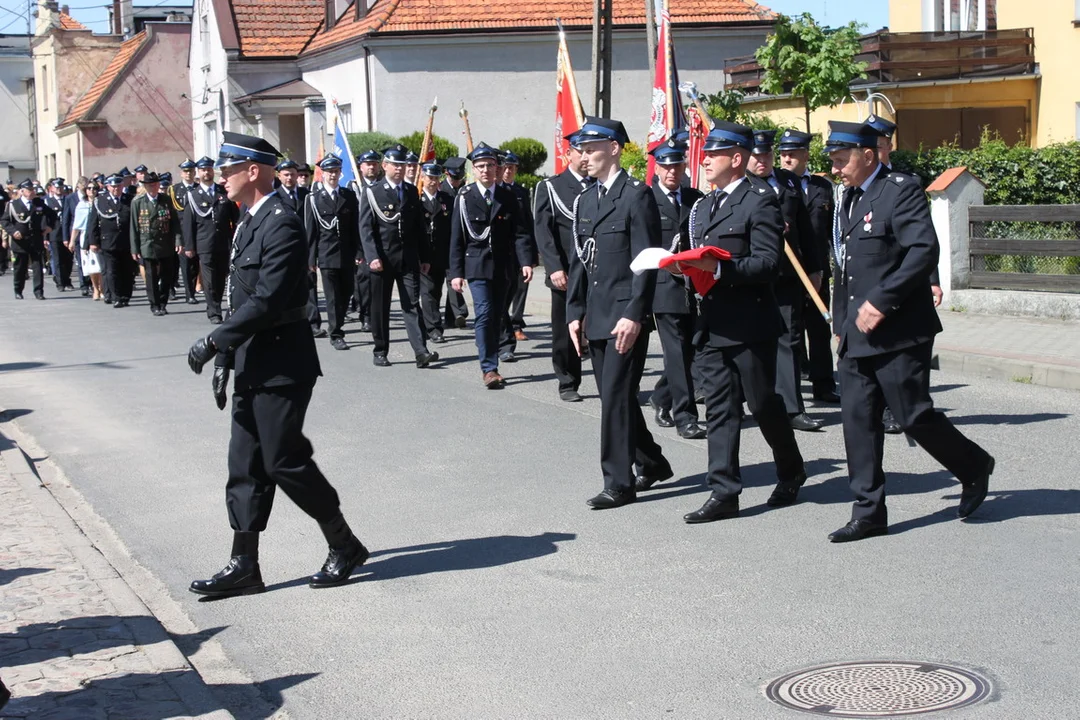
(890, 688)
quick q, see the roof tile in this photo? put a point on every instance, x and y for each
(276, 28)
(113, 71)
(69, 23)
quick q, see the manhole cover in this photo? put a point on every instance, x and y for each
(878, 689)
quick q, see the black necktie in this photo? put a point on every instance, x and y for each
(718, 197)
(674, 195)
(851, 199)
(603, 191)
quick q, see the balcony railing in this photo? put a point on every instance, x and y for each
(921, 56)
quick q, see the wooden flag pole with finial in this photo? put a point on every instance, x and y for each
(426, 145)
(468, 131)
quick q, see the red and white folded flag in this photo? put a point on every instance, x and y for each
(656, 258)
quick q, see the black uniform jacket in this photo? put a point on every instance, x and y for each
(29, 218)
(820, 200)
(506, 247)
(554, 228)
(525, 205)
(107, 225)
(332, 227)
(208, 221)
(449, 189)
(57, 206)
(400, 244)
(287, 201)
(672, 294)
(798, 232)
(267, 332)
(890, 250)
(624, 222)
(437, 211)
(741, 308)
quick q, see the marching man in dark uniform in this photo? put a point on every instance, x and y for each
(209, 221)
(267, 341)
(514, 320)
(457, 311)
(370, 164)
(28, 221)
(789, 290)
(674, 306)
(155, 235)
(488, 238)
(884, 316)
(819, 195)
(553, 221)
(609, 305)
(188, 259)
(437, 206)
(331, 220)
(293, 196)
(61, 259)
(740, 322)
(392, 233)
(108, 229)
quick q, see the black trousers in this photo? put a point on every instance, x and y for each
(517, 303)
(26, 263)
(382, 289)
(791, 297)
(730, 374)
(507, 341)
(674, 390)
(65, 261)
(900, 379)
(190, 269)
(361, 291)
(119, 278)
(564, 359)
(267, 450)
(819, 343)
(624, 437)
(215, 271)
(455, 305)
(431, 287)
(314, 316)
(335, 284)
(158, 276)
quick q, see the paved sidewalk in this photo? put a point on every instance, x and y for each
(75, 642)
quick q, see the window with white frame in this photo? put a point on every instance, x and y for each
(210, 149)
(345, 117)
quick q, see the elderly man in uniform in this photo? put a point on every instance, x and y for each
(331, 220)
(819, 196)
(609, 305)
(553, 223)
(488, 238)
(108, 229)
(884, 317)
(740, 323)
(674, 306)
(267, 342)
(209, 222)
(437, 206)
(188, 259)
(155, 235)
(392, 235)
(28, 221)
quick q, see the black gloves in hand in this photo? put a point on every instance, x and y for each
(221, 386)
(201, 353)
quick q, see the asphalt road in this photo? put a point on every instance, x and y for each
(494, 592)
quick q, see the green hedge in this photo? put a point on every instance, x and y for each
(363, 141)
(531, 153)
(443, 147)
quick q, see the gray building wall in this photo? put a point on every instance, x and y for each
(17, 158)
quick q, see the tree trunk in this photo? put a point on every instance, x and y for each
(806, 107)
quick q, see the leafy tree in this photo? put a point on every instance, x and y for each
(531, 153)
(443, 147)
(633, 160)
(363, 141)
(811, 62)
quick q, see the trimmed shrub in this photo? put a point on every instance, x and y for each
(528, 179)
(531, 153)
(443, 147)
(363, 141)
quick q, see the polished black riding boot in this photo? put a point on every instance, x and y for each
(346, 554)
(241, 576)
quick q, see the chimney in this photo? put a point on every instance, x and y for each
(65, 10)
(114, 18)
(48, 16)
(127, 19)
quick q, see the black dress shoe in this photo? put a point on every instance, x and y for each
(437, 337)
(612, 499)
(644, 481)
(663, 416)
(86, 292)
(857, 530)
(802, 421)
(459, 323)
(973, 494)
(215, 320)
(319, 332)
(715, 508)
(339, 344)
(507, 357)
(692, 431)
(340, 564)
(240, 577)
(570, 395)
(18, 296)
(826, 396)
(109, 299)
(39, 296)
(426, 358)
(786, 492)
(191, 301)
(380, 361)
(365, 326)
(889, 421)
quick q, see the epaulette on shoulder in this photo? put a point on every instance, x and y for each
(898, 177)
(635, 182)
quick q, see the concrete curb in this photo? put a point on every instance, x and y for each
(1002, 368)
(147, 632)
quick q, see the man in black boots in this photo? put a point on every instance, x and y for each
(267, 339)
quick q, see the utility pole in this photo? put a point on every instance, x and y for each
(650, 35)
(601, 58)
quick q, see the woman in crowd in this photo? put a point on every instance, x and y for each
(91, 262)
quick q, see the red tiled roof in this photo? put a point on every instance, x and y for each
(276, 28)
(401, 16)
(69, 23)
(109, 76)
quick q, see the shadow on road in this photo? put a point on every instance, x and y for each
(11, 574)
(467, 554)
(11, 367)
(107, 364)
(1007, 419)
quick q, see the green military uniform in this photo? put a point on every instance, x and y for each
(155, 235)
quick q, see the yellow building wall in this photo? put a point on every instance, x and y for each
(905, 15)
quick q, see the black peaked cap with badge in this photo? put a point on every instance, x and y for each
(794, 140)
(239, 148)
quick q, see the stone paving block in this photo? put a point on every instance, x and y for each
(103, 649)
(77, 668)
(62, 639)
